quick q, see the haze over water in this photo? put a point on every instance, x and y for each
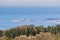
(28, 12)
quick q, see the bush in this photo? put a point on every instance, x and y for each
(33, 33)
(1, 33)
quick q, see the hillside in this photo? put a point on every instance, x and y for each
(31, 32)
(41, 36)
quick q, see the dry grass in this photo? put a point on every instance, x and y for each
(41, 36)
(3, 38)
(45, 36)
(57, 37)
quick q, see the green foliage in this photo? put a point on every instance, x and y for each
(38, 30)
(45, 30)
(1, 33)
(49, 28)
(12, 33)
(57, 28)
(27, 32)
(7, 34)
(30, 30)
(33, 32)
(52, 30)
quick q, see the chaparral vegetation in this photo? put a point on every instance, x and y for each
(31, 32)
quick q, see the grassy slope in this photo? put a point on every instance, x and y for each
(41, 36)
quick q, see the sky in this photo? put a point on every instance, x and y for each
(29, 3)
(21, 12)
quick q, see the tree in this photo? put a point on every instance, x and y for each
(38, 30)
(7, 34)
(45, 30)
(17, 31)
(49, 29)
(1, 33)
(33, 32)
(27, 32)
(12, 33)
(57, 28)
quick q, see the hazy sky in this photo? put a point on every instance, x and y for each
(21, 12)
(34, 3)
